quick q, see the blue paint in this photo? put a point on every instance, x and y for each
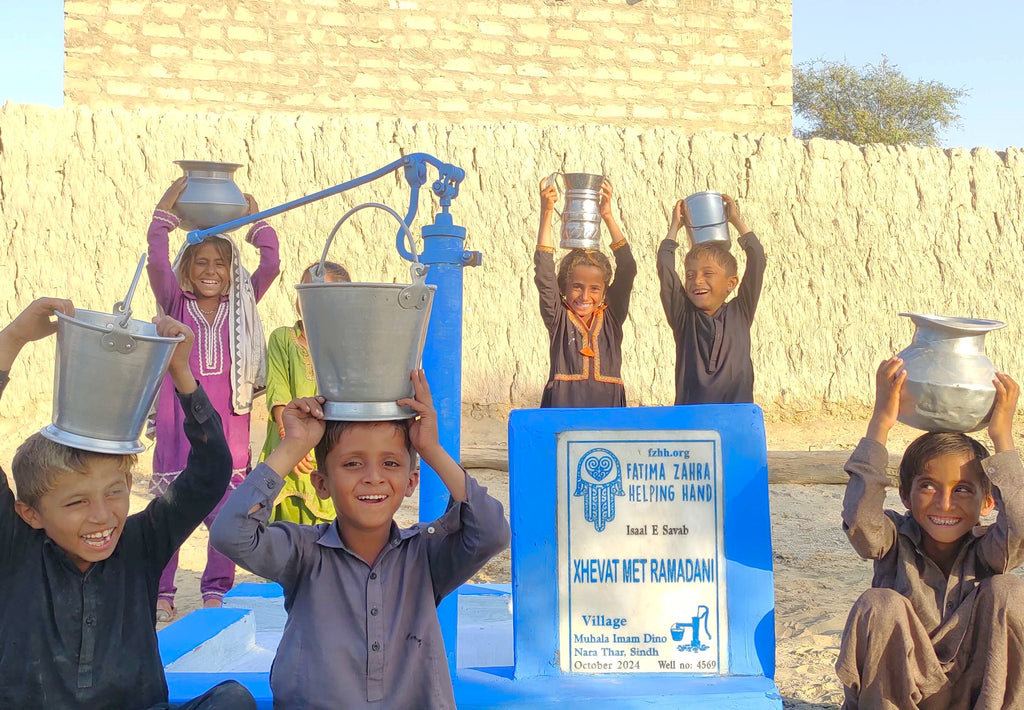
(193, 630)
(259, 590)
(747, 530)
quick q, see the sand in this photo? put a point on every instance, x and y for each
(817, 574)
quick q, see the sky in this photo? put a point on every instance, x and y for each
(974, 46)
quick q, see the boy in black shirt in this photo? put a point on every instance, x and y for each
(712, 337)
(78, 575)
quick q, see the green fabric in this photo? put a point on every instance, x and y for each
(290, 375)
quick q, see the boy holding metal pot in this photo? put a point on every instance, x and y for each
(712, 337)
(943, 624)
(80, 574)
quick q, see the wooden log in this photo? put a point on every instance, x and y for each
(805, 467)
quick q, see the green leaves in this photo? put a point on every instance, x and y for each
(871, 104)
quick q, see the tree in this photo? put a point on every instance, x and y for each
(871, 104)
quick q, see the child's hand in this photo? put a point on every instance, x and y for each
(34, 322)
(179, 369)
(177, 187)
(423, 432)
(732, 213)
(680, 217)
(548, 197)
(604, 204)
(888, 385)
(303, 421)
(253, 207)
(304, 467)
(1000, 426)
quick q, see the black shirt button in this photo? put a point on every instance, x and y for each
(373, 611)
(375, 646)
(373, 575)
(89, 620)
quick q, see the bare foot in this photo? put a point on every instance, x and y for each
(212, 603)
(165, 611)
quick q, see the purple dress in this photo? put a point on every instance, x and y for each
(210, 364)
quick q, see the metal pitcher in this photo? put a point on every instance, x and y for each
(708, 219)
(581, 215)
(365, 338)
(107, 374)
(211, 196)
(949, 377)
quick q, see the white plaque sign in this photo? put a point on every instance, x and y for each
(641, 556)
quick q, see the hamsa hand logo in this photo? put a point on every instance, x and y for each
(598, 482)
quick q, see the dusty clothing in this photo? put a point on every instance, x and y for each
(966, 616)
(586, 359)
(713, 363)
(374, 626)
(86, 641)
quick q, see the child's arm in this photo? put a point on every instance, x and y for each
(865, 523)
(31, 324)
(749, 292)
(621, 288)
(673, 298)
(158, 264)
(473, 529)
(544, 258)
(262, 236)
(1002, 546)
(240, 530)
(168, 520)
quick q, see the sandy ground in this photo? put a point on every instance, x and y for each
(817, 574)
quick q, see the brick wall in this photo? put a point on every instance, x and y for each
(691, 64)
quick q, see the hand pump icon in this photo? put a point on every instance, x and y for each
(679, 631)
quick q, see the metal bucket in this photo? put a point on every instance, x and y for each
(108, 371)
(211, 196)
(949, 376)
(708, 220)
(581, 214)
(365, 338)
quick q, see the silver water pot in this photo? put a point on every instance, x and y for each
(211, 196)
(581, 215)
(949, 377)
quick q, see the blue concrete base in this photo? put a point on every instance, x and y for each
(476, 689)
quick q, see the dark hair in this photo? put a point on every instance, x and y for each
(337, 271)
(39, 462)
(583, 257)
(718, 253)
(333, 432)
(188, 256)
(931, 446)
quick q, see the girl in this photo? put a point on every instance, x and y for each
(289, 376)
(583, 312)
(208, 289)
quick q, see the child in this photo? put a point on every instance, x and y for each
(290, 375)
(583, 312)
(943, 625)
(361, 593)
(712, 337)
(208, 290)
(80, 574)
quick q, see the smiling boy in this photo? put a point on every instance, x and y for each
(361, 593)
(943, 625)
(712, 337)
(78, 574)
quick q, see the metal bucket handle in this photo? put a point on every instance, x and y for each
(417, 294)
(117, 337)
(552, 179)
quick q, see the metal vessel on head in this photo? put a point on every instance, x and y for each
(211, 196)
(949, 378)
(581, 214)
(708, 219)
(365, 338)
(107, 374)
